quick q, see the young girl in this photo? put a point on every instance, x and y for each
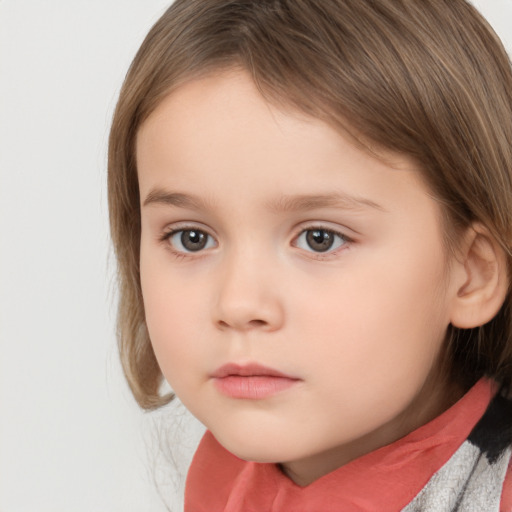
(311, 205)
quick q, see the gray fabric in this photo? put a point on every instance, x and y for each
(468, 482)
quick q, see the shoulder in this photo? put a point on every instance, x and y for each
(506, 495)
(493, 435)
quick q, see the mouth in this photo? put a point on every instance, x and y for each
(251, 382)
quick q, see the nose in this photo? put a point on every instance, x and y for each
(248, 295)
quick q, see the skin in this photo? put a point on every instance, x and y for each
(360, 326)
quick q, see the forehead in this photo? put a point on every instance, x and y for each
(217, 135)
(225, 111)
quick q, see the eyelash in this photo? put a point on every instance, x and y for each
(329, 252)
(168, 235)
(181, 254)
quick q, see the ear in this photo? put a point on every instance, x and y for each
(482, 281)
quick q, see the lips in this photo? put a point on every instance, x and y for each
(249, 370)
(252, 381)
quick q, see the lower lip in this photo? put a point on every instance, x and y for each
(253, 387)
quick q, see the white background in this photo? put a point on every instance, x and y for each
(71, 437)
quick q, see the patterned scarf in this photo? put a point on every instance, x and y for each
(472, 480)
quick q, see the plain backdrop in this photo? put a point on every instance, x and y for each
(71, 437)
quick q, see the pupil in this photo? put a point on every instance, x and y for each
(193, 240)
(319, 240)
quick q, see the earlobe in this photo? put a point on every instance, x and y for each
(484, 288)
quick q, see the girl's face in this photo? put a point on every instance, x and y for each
(297, 290)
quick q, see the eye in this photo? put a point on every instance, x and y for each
(190, 240)
(320, 240)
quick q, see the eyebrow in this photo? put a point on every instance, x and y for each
(305, 202)
(283, 204)
(163, 197)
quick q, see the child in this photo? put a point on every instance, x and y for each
(311, 206)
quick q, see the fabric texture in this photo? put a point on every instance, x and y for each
(456, 462)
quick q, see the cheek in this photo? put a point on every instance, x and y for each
(383, 320)
(369, 350)
(172, 315)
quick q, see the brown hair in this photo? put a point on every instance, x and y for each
(425, 78)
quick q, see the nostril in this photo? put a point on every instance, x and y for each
(257, 323)
(222, 324)
(251, 324)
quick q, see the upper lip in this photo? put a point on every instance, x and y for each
(248, 370)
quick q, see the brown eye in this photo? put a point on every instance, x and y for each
(320, 240)
(191, 240)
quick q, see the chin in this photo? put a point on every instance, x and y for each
(261, 448)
